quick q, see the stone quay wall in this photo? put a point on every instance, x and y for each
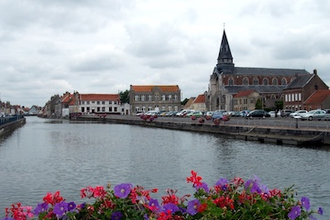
(11, 126)
(263, 134)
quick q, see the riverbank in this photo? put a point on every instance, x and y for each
(11, 126)
(264, 134)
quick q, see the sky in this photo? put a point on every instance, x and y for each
(48, 47)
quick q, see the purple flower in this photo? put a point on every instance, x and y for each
(203, 186)
(122, 190)
(320, 211)
(305, 203)
(312, 217)
(170, 207)
(222, 182)
(116, 215)
(294, 213)
(154, 205)
(193, 205)
(8, 218)
(71, 206)
(60, 208)
(41, 207)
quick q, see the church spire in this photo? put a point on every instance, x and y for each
(225, 59)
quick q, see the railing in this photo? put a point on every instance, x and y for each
(11, 118)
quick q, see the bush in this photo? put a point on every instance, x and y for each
(235, 199)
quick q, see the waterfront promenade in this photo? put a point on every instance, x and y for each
(273, 130)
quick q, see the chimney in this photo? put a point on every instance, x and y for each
(315, 72)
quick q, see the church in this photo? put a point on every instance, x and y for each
(227, 80)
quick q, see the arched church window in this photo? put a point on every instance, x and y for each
(275, 82)
(265, 81)
(230, 81)
(283, 81)
(255, 81)
(245, 81)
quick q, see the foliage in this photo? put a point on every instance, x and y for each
(234, 199)
(258, 104)
(124, 96)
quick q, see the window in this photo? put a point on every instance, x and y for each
(150, 98)
(87, 102)
(103, 102)
(169, 97)
(103, 109)
(110, 109)
(115, 109)
(143, 98)
(175, 97)
(245, 81)
(163, 98)
(230, 81)
(255, 81)
(299, 97)
(265, 81)
(98, 102)
(275, 82)
(136, 98)
(283, 81)
(156, 97)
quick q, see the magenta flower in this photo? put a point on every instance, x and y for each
(305, 203)
(294, 213)
(122, 190)
(193, 205)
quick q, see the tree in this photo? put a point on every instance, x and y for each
(258, 104)
(124, 96)
(184, 101)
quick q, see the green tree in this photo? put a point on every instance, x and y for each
(124, 96)
(184, 101)
(258, 104)
(279, 104)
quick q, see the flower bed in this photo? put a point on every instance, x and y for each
(236, 199)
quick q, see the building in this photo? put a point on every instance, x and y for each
(144, 98)
(227, 80)
(100, 103)
(198, 104)
(300, 89)
(245, 100)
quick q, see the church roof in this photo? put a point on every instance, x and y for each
(256, 88)
(224, 52)
(269, 71)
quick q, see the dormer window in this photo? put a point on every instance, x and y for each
(265, 81)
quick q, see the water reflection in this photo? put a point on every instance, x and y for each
(49, 155)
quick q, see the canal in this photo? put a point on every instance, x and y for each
(48, 155)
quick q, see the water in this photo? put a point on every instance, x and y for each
(49, 155)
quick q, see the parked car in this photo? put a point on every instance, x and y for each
(218, 114)
(313, 115)
(327, 115)
(257, 114)
(286, 113)
(272, 114)
(297, 114)
(197, 114)
(243, 113)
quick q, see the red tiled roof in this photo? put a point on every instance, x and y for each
(243, 93)
(99, 97)
(317, 97)
(163, 88)
(68, 99)
(200, 99)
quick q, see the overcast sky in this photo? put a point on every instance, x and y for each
(48, 47)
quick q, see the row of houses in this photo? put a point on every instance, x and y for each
(230, 88)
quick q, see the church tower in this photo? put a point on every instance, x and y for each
(225, 59)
